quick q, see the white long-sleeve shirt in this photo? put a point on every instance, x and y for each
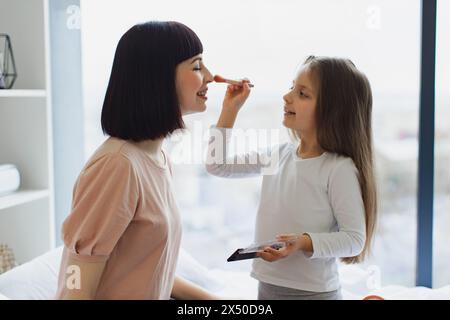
(319, 196)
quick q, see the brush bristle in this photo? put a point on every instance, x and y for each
(218, 78)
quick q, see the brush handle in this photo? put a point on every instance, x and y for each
(218, 78)
(239, 83)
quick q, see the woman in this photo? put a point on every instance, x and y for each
(122, 236)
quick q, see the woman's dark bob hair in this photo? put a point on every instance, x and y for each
(141, 101)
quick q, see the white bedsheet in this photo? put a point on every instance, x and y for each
(37, 280)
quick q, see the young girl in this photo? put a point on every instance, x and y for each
(322, 200)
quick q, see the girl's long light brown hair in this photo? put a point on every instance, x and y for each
(344, 126)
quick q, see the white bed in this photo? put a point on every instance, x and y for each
(37, 280)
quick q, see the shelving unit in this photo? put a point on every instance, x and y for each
(14, 93)
(27, 216)
(22, 197)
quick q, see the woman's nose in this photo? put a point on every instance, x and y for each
(208, 76)
(286, 98)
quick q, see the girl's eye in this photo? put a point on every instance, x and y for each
(197, 69)
(303, 94)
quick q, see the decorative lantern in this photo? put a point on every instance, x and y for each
(8, 73)
(7, 260)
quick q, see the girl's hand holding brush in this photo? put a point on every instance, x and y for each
(235, 97)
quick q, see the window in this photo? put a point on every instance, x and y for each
(266, 41)
(442, 150)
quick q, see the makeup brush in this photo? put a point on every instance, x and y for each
(218, 78)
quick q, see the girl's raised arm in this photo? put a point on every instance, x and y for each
(219, 161)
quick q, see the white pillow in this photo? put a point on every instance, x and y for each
(355, 281)
(189, 268)
(34, 280)
(2, 297)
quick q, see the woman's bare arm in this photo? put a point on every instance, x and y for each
(186, 290)
(81, 280)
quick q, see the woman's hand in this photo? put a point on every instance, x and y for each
(235, 98)
(293, 243)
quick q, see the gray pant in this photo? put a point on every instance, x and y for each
(268, 291)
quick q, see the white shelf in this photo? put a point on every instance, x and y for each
(22, 93)
(21, 197)
(27, 216)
